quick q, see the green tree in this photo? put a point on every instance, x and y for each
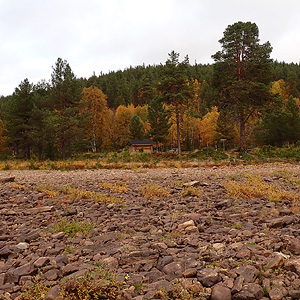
(41, 132)
(136, 128)
(242, 72)
(17, 113)
(175, 89)
(292, 120)
(158, 117)
(66, 95)
(280, 122)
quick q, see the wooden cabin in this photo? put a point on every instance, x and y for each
(141, 145)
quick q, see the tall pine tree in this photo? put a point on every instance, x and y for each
(242, 73)
(174, 89)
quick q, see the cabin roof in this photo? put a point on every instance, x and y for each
(141, 143)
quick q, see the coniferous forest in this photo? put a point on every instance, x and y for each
(244, 99)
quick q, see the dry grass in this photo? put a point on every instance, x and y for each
(192, 191)
(153, 191)
(117, 187)
(80, 194)
(254, 187)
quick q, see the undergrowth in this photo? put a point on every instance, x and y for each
(72, 227)
(79, 194)
(255, 187)
(153, 191)
(99, 284)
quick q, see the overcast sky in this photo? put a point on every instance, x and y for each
(107, 35)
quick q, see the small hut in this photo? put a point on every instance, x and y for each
(141, 145)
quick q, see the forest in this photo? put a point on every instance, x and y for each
(243, 100)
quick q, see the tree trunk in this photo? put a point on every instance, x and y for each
(178, 132)
(63, 149)
(243, 144)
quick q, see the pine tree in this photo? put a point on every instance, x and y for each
(242, 73)
(136, 128)
(66, 94)
(158, 117)
(17, 119)
(175, 90)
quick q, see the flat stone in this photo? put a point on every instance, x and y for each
(42, 261)
(58, 235)
(238, 284)
(53, 293)
(220, 293)
(110, 263)
(276, 293)
(251, 291)
(280, 222)
(5, 252)
(293, 265)
(163, 285)
(295, 294)
(22, 246)
(208, 277)
(51, 275)
(276, 261)
(27, 269)
(248, 272)
(192, 183)
(173, 270)
(189, 273)
(183, 226)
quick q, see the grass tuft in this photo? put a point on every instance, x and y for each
(153, 191)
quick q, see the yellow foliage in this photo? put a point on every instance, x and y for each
(279, 87)
(153, 191)
(255, 187)
(117, 187)
(99, 123)
(120, 128)
(208, 127)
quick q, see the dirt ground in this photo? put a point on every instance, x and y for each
(211, 231)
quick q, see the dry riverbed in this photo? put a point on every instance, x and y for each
(206, 233)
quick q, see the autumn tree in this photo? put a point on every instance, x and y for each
(174, 89)
(242, 73)
(208, 127)
(120, 127)
(97, 124)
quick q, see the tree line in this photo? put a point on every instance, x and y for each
(244, 98)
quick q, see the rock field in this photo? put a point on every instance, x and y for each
(193, 236)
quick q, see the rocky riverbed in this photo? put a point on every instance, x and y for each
(157, 230)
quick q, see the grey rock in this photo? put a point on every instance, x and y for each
(295, 294)
(110, 262)
(53, 293)
(51, 275)
(173, 270)
(251, 291)
(22, 246)
(293, 265)
(208, 277)
(220, 293)
(276, 293)
(248, 272)
(238, 284)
